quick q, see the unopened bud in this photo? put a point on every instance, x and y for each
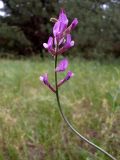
(54, 20)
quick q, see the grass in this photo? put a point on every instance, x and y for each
(31, 127)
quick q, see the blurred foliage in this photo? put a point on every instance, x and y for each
(97, 35)
(32, 18)
(10, 41)
(99, 26)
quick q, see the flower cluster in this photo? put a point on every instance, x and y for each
(58, 44)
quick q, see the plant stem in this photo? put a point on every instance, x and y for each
(70, 126)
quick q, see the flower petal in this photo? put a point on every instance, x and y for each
(68, 41)
(67, 77)
(49, 46)
(74, 23)
(62, 66)
(56, 28)
(63, 17)
(72, 43)
(59, 28)
(45, 45)
(44, 79)
(50, 42)
(61, 24)
(67, 44)
(71, 27)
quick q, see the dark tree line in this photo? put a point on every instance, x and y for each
(26, 25)
(28, 20)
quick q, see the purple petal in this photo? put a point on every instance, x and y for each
(44, 79)
(59, 28)
(68, 41)
(71, 27)
(63, 17)
(62, 66)
(56, 28)
(74, 23)
(49, 46)
(61, 24)
(50, 42)
(67, 77)
(67, 45)
(62, 28)
(61, 41)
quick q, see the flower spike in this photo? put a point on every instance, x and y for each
(58, 44)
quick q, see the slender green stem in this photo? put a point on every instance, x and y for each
(71, 127)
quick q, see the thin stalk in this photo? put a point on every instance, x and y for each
(70, 126)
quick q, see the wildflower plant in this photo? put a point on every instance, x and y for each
(59, 43)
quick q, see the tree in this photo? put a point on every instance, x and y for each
(31, 16)
(99, 24)
(13, 42)
(97, 32)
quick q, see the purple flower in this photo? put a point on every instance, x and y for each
(67, 77)
(49, 46)
(68, 44)
(60, 29)
(71, 27)
(62, 37)
(58, 44)
(44, 79)
(63, 64)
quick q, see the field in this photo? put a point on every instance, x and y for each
(31, 127)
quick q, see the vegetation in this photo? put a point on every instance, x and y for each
(97, 33)
(98, 30)
(31, 127)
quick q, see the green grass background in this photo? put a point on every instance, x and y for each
(31, 127)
